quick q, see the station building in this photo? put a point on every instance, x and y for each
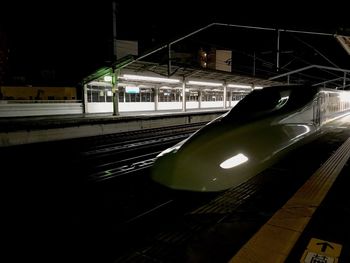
(145, 86)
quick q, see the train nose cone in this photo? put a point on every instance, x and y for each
(202, 167)
(198, 174)
(221, 158)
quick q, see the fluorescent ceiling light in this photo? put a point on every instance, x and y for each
(234, 161)
(239, 86)
(107, 78)
(258, 87)
(146, 78)
(203, 83)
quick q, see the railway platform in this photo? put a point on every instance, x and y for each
(36, 129)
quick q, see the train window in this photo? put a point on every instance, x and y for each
(300, 96)
(259, 100)
(272, 99)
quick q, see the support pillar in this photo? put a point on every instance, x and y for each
(156, 98)
(225, 95)
(115, 93)
(183, 95)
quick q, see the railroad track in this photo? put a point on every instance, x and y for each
(111, 170)
(98, 142)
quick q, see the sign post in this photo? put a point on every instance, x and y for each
(321, 251)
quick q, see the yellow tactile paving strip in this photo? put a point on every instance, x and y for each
(274, 241)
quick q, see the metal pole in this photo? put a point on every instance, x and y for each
(226, 25)
(309, 67)
(156, 98)
(225, 95)
(308, 32)
(115, 72)
(344, 80)
(115, 93)
(199, 98)
(114, 5)
(278, 51)
(230, 98)
(183, 94)
(169, 60)
(85, 99)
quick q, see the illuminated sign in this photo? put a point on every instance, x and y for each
(223, 60)
(345, 42)
(132, 89)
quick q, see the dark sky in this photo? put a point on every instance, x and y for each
(74, 39)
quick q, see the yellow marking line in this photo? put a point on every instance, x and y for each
(274, 241)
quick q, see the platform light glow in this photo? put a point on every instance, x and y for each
(107, 78)
(239, 86)
(258, 87)
(204, 83)
(234, 161)
(147, 78)
(344, 97)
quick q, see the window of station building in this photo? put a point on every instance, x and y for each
(192, 95)
(109, 94)
(102, 96)
(147, 95)
(93, 92)
(237, 96)
(136, 95)
(121, 94)
(132, 97)
(212, 95)
(99, 93)
(169, 95)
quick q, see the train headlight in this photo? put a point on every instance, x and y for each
(234, 161)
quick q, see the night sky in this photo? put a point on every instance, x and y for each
(70, 40)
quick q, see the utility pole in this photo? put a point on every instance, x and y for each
(114, 8)
(115, 72)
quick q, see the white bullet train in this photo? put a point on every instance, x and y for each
(254, 134)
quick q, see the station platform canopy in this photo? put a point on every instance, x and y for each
(181, 73)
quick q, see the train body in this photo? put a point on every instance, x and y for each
(249, 138)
